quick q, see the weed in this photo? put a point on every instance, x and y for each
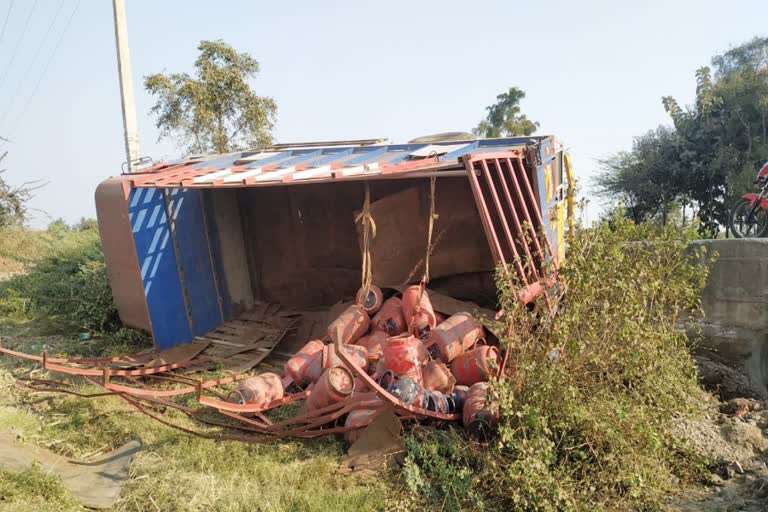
(588, 397)
(64, 284)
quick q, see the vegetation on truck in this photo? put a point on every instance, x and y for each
(585, 413)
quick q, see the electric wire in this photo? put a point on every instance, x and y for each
(5, 23)
(45, 69)
(33, 60)
(18, 43)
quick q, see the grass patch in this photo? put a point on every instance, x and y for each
(34, 489)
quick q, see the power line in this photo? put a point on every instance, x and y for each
(5, 23)
(33, 60)
(18, 43)
(45, 69)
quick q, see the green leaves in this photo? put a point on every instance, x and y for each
(714, 151)
(216, 110)
(504, 118)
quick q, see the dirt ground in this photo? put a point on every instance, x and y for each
(735, 435)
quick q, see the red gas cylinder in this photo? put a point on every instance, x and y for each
(374, 343)
(390, 317)
(477, 365)
(334, 385)
(358, 419)
(351, 324)
(417, 310)
(404, 356)
(372, 302)
(360, 386)
(328, 358)
(259, 390)
(453, 337)
(296, 367)
(437, 377)
(459, 396)
(481, 412)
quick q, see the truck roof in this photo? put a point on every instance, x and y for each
(319, 162)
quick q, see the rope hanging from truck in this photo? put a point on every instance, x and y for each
(369, 233)
(433, 216)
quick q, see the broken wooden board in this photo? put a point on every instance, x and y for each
(240, 344)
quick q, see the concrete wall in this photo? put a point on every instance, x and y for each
(735, 302)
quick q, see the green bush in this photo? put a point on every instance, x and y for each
(67, 288)
(587, 398)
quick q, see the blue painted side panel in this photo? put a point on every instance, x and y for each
(159, 275)
(195, 259)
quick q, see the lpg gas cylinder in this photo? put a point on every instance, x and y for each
(374, 343)
(390, 317)
(481, 412)
(350, 325)
(459, 396)
(404, 356)
(477, 365)
(371, 302)
(453, 337)
(334, 385)
(296, 367)
(328, 358)
(407, 391)
(437, 377)
(259, 390)
(417, 310)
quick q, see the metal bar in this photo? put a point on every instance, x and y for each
(450, 172)
(503, 218)
(515, 218)
(177, 256)
(485, 217)
(536, 209)
(527, 214)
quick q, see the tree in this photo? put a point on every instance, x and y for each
(713, 152)
(504, 118)
(647, 179)
(216, 110)
(13, 201)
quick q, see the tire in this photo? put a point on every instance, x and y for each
(736, 220)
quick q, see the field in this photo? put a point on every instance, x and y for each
(173, 471)
(590, 428)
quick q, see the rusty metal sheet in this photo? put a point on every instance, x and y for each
(380, 446)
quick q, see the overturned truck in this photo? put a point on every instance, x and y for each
(353, 276)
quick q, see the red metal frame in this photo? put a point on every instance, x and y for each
(517, 230)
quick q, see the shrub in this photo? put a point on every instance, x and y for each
(587, 398)
(67, 288)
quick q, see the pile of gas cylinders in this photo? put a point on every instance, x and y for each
(420, 357)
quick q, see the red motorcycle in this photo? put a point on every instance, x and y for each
(749, 216)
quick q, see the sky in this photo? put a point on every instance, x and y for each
(594, 73)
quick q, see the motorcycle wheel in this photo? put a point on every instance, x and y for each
(757, 227)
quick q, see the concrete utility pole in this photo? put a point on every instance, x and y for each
(126, 86)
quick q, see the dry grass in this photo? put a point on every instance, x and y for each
(174, 471)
